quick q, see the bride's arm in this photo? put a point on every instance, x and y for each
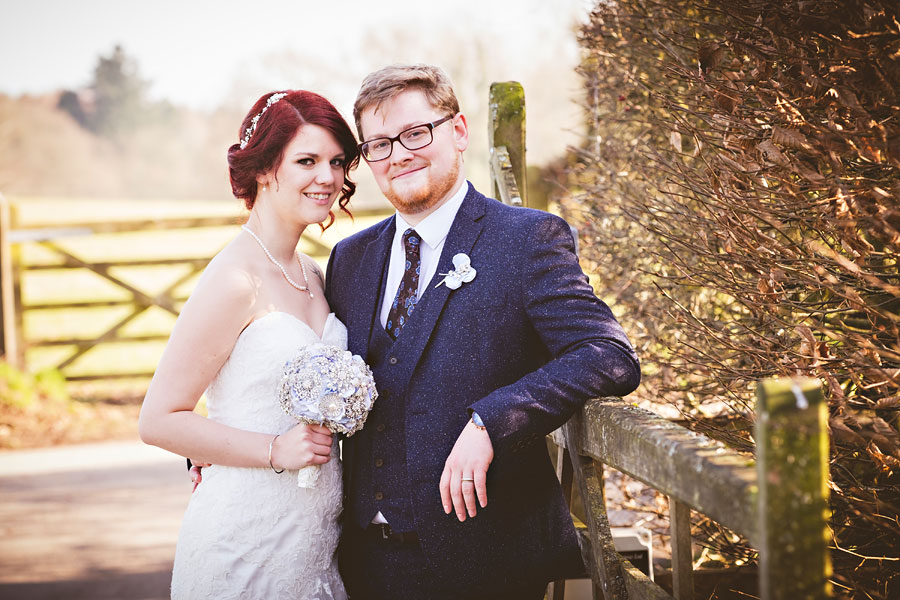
(204, 334)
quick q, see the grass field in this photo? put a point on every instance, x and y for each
(59, 286)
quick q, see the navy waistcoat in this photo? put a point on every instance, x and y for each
(379, 479)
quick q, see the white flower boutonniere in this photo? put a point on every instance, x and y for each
(462, 273)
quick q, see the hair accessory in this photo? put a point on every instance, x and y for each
(248, 133)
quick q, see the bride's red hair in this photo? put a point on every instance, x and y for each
(274, 129)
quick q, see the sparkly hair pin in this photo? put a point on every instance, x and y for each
(248, 133)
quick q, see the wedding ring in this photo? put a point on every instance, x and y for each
(468, 479)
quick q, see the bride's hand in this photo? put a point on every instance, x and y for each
(302, 446)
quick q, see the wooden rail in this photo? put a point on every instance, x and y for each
(778, 502)
(13, 235)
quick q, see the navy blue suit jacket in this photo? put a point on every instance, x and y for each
(524, 345)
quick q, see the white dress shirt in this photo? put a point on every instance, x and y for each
(433, 230)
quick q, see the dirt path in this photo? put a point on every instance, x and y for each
(94, 521)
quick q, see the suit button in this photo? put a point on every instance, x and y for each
(379, 495)
(379, 462)
(379, 427)
(393, 360)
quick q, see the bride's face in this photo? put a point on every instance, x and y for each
(309, 178)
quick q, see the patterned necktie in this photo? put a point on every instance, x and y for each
(407, 293)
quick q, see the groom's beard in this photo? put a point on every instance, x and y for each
(425, 197)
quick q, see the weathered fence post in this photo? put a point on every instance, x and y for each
(608, 579)
(9, 346)
(792, 466)
(682, 556)
(506, 139)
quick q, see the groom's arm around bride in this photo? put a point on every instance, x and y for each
(484, 335)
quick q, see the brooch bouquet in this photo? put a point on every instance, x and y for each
(324, 385)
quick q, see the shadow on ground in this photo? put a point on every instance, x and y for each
(101, 586)
(94, 521)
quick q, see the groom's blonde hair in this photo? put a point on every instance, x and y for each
(385, 84)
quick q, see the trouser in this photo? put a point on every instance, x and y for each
(393, 567)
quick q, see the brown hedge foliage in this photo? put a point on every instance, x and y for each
(739, 196)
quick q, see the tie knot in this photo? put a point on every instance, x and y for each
(411, 240)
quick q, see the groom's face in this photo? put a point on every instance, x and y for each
(416, 181)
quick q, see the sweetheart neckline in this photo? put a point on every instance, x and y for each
(318, 337)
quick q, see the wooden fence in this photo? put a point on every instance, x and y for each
(13, 269)
(778, 502)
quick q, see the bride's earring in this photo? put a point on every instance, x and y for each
(265, 188)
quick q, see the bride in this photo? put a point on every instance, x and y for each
(249, 530)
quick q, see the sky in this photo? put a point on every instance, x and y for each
(193, 51)
(208, 53)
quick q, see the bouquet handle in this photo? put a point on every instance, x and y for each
(308, 476)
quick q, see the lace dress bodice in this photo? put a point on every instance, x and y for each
(249, 532)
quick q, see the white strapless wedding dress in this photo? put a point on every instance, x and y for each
(250, 533)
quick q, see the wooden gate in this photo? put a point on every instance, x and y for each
(136, 300)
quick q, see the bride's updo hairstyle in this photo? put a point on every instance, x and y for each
(268, 128)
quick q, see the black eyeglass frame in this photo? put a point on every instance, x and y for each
(397, 137)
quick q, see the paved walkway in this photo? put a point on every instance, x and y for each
(91, 521)
(97, 522)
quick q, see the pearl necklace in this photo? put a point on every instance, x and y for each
(302, 288)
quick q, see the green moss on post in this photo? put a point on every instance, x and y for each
(792, 463)
(506, 127)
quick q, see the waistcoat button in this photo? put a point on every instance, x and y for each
(393, 360)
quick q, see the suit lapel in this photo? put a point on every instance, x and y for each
(462, 236)
(367, 290)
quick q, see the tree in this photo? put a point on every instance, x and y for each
(70, 102)
(119, 95)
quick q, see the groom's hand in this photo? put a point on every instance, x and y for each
(194, 467)
(465, 472)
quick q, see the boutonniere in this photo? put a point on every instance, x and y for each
(462, 273)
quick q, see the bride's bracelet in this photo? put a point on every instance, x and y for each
(272, 443)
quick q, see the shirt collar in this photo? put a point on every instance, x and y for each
(435, 227)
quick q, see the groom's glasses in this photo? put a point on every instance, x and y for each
(413, 138)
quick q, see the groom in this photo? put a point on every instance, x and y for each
(450, 492)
